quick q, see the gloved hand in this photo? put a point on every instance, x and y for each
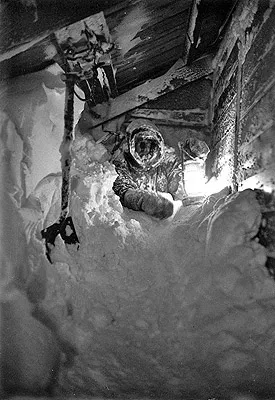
(157, 206)
(152, 204)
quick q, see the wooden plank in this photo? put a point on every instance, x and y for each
(188, 97)
(145, 69)
(21, 48)
(148, 49)
(177, 76)
(34, 59)
(174, 117)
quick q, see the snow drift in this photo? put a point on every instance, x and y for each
(183, 307)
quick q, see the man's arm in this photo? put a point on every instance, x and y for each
(131, 196)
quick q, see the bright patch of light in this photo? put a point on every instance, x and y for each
(196, 183)
(215, 185)
(194, 178)
(259, 182)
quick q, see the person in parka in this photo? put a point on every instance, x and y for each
(146, 170)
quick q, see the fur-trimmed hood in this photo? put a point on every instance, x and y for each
(145, 144)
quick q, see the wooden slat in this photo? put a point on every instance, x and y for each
(174, 117)
(149, 48)
(177, 76)
(155, 67)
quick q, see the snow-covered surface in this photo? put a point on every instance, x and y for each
(183, 307)
(33, 107)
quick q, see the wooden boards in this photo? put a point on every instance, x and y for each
(192, 118)
(177, 76)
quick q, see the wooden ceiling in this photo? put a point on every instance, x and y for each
(149, 35)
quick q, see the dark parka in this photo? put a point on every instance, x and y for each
(146, 169)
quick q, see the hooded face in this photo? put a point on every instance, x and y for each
(146, 144)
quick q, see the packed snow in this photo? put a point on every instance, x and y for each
(177, 307)
(182, 307)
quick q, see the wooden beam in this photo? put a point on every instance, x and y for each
(192, 118)
(22, 47)
(177, 76)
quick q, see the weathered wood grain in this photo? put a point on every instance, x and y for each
(173, 117)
